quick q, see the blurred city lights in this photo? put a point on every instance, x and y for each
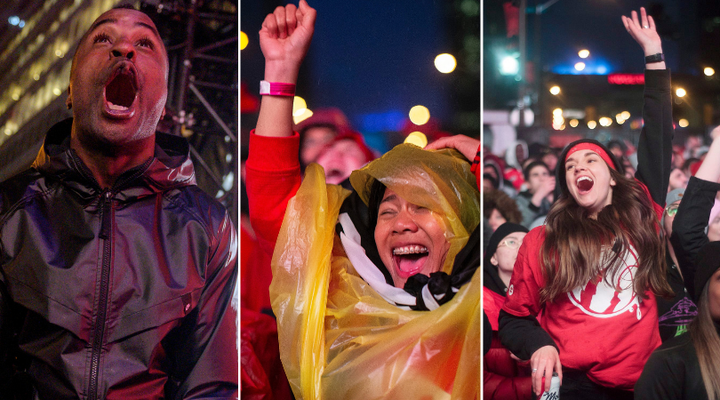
(417, 138)
(709, 71)
(14, 20)
(574, 122)
(591, 124)
(680, 92)
(57, 91)
(509, 66)
(558, 122)
(619, 119)
(625, 115)
(305, 115)
(243, 40)
(419, 115)
(580, 66)
(584, 53)
(605, 121)
(445, 63)
(683, 123)
(16, 96)
(59, 53)
(555, 90)
(299, 106)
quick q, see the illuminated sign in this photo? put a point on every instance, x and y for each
(626, 79)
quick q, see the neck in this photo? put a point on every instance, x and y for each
(671, 251)
(108, 164)
(505, 276)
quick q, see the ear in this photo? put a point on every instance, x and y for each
(494, 261)
(68, 100)
(612, 182)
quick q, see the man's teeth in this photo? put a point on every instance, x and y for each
(410, 250)
(116, 107)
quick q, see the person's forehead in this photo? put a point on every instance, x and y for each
(538, 169)
(514, 235)
(125, 16)
(581, 154)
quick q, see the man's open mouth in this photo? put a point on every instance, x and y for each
(584, 183)
(120, 93)
(410, 259)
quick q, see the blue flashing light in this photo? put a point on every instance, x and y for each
(591, 68)
(14, 20)
(21, 24)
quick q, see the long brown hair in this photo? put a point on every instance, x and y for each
(707, 345)
(572, 253)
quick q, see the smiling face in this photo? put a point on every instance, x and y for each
(118, 84)
(409, 238)
(589, 181)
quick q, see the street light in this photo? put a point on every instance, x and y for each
(509, 65)
(680, 92)
(580, 66)
(555, 90)
(584, 53)
(709, 71)
(445, 63)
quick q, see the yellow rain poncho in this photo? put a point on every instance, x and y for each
(339, 339)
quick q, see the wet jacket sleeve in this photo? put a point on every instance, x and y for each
(654, 150)
(6, 328)
(203, 351)
(272, 179)
(688, 231)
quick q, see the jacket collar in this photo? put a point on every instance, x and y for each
(170, 166)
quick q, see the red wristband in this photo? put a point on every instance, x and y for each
(277, 89)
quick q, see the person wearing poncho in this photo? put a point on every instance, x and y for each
(345, 329)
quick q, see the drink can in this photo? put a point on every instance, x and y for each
(554, 392)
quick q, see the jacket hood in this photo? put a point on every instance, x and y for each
(170, 166)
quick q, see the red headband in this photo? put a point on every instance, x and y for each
(594, 148)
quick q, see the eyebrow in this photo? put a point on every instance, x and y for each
(114, 20)
(586, 155)
(389, 198)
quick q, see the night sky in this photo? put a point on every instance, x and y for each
(371, 59)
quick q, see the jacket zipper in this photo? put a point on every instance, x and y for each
(105, 232)
(99, 328)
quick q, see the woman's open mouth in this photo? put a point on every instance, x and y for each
(584, 184)
(410, 260)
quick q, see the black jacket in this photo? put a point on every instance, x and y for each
(118, 293)
(672, 373)
(688, 235)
